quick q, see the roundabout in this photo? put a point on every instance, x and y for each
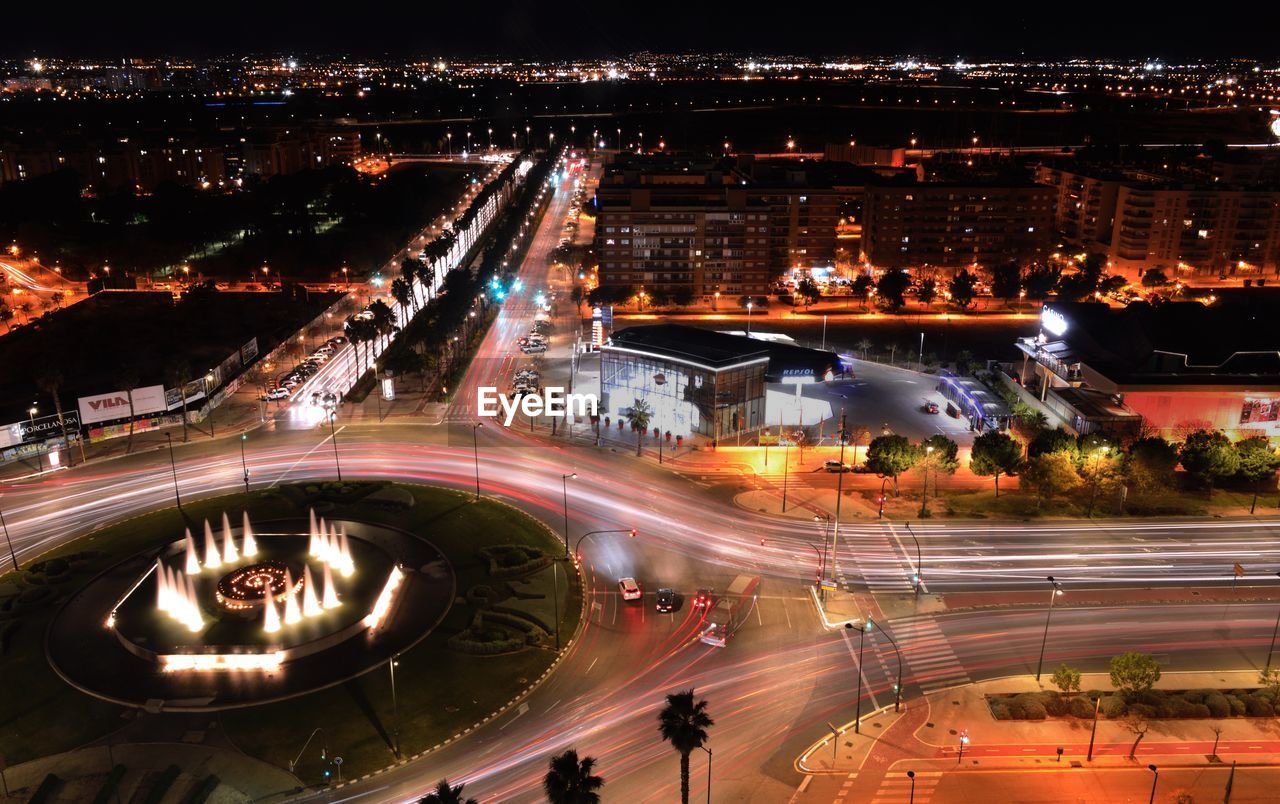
(259, 613)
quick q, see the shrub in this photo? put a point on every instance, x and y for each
(1113, 706)
(1266, 692)
(1000, 711)
(1217, 705)
(1258, 706)
(1015, 710)
(1145, 710)
(1200, 710)
(1032, 705)
(1151, 697)
(56, 566)
(1195, 696)
(1054, 704)
(1081, 707)
(1237, 705)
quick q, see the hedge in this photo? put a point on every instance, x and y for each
(1152, 704)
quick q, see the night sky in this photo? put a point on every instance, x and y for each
(971, 30)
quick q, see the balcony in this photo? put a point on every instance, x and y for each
(1069, 373)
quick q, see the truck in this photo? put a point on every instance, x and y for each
(730, 610)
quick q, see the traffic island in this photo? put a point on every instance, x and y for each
(121, 605)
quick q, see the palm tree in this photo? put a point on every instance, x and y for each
(128, 378)
(384, 321)
(570, 780)
(684, 723)
(402, 292)
(426, 276)
(6, 315)
(864, 346)
(446, 794)
(408, 270)
(354, 330)
(638, 417)
(25, 308)
(50, 381)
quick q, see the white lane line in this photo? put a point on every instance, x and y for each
(593, 664)
(305, 455)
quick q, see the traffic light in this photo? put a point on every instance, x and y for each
(632, 534)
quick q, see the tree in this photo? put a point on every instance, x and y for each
(1049, 441)
(1040, 281)
(1208, 456)
(994, 454)
(1270, 678)
(50, 381)
(1154, 278)
(383, 320)
(570, 780)
(963, 287)
(6, 315)
(1134, 672)
(1112, 284)
(1137, 724)
(684, 723)
(1150, 463)
(1006, 281)
(402, 292)
(926, 291)
(864, 344)
(579, 296)
(1066, 678)
(938, 453)
(1049, 475)
(682, 296)
(892, 455)
(446, 794)
(892, 289)
(1076, 286)
(1257, 461)
(128, 379)
(807, 291)
(638, 417)
(861, 286)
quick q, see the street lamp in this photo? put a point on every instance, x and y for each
(244, 466)
(475, 448)
(897, 688)
(708, 750)
(918, 578)
(749, 306)
(173, 467)
(333, 434)
(577, 557)
(862, 638)
(9, 541)
(564, 486)
(1272, 649)
(912, 776)
(395, 706)
(924, 494)
(1155, 777)
(1054, 592)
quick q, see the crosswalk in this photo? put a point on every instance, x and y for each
(896, 788)
(933, 663)
(794, 480)
(881, 565)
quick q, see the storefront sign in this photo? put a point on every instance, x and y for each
(116, 405)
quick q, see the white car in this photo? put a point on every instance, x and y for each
(629, 588)
(276, 394)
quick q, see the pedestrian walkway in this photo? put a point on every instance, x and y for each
(898, 788)
(933, 663)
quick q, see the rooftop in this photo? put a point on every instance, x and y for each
(714, 350)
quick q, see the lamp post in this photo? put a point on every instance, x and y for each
(1274, 632)
(564, 485)
(475, 451)
(924, 493)
(9, 541)
(708, 750)
(333, 434)
(1055, 590)
(395, 707)
(786, 456)
(919, 576)
(862, 638)
(173, 467)
(749, 306)
(964, 740)
(1155, 778)
(577, 557)
(244, 466)
(897, 688)
(912, 776)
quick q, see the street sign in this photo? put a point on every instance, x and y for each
(830, 585)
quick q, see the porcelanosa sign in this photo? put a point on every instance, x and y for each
(115, 405)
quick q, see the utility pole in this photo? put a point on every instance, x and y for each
(835, 529)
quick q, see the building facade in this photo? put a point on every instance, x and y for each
(946, 225)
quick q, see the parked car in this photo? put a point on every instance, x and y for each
(629, 589)
(534, 348)
(665, 601)
(930, 407)
(276, 394)
(835, 466)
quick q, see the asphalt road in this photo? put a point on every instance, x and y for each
(772, 689)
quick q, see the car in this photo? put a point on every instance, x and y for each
(930, 407)
(665, 601)
(534, 348)
(835, 466)
(629, 588)
(338, 341)
(704, 598)
(276, 394)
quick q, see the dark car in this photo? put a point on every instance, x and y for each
(666, 600)
(704, 598)
(930, 407)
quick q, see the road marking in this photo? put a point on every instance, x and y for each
(305, 455)
(360, 795)
(554, 705)
(788, 613)
(593, 664)
(520, 710)
(759, 617)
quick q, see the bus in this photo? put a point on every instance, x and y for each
(730, 610)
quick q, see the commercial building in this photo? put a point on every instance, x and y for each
(910, 224)
(1220, 219)
(1169, 368)
(700, 382)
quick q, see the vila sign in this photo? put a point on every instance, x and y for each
(115, 405)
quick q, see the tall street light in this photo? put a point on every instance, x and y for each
(1274, 632)
(1155, 777)
(564, 485)
(897, 688)
(173, 467)
(862, 638)
(9, 541)
(749, 306)
(475, 449)
(1054, 592)
(577, 556)
(708, 750)
(333, 434)
(912, 776)
(918, 578)
(244, 466)
(924, 494)
(395, 706)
